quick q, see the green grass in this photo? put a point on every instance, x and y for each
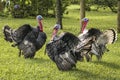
(41, 67)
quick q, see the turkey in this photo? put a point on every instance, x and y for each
(26, 38)
(94, 41)
(61, 49)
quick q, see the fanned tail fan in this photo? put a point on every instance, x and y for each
(108, 37)
(97, 41)
(112, 35)
(16, 35)
(7, 33)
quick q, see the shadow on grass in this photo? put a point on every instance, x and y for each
(87, 75)
(84, 73)
(40, 60)
(108, 64)
(37, 60)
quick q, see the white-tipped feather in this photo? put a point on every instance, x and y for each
(108, 37)
(111, 35)
(98, 44)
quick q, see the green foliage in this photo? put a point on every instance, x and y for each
(47, 7)
(1, 6)
(4, 10)
(20, 9)
(34, 7)
(44, 6)
(30, 8)
(65, 3)
(112, 4)
(41, 67)
(75, 1)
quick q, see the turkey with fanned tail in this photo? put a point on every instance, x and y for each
(26, 38)
(61, 49)
(94, 41)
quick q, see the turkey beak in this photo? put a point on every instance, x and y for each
(84, 23)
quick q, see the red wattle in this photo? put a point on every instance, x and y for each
(83, 26)
(40, 26)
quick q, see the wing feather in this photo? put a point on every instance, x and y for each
(61, 51)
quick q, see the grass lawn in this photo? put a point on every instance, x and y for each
(41, 67)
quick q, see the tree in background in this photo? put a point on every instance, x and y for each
(118, 18)
(82, 11)
(26, 8)
(75, 1)
(59, 12)
(103, 3)
(20, 9)
(60, 9)
(44, 6)
(4, 7)
(1, 6)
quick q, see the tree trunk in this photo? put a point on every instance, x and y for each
(82, 11)
(59, 12)
(118, 18)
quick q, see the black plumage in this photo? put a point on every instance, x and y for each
(62, 51)
(95, 42)
(19, 34)
(28, 39)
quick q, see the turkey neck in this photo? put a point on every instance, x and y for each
(84, 23)
(54, 33)
(40, 26)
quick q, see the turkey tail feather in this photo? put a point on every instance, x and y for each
(7, 33)
(111, 35)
